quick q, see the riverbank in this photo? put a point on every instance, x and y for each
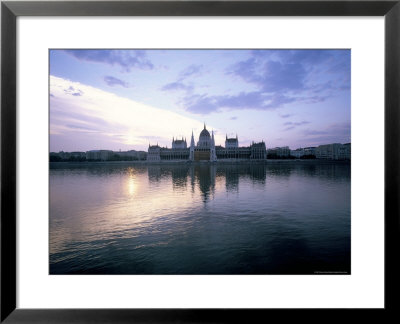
(54, 165)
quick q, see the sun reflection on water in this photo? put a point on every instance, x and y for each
(131, 184)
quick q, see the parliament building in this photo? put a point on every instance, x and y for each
(206, 150)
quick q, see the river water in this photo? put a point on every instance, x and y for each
(279, 218)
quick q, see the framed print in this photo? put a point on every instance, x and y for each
(195, 161)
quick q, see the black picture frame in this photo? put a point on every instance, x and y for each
(10, 10)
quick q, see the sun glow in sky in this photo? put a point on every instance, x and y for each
(128, 99)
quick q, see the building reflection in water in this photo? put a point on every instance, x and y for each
(231, 175)
(154, 172)
(207, 177)
(204, 177)
(200, 176)
(179, 177)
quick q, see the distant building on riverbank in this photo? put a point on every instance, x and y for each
(306, 152)
(206, 150)
(102, 155)
(97, 155)
(68, 155)
(335, 151)
(278, 152)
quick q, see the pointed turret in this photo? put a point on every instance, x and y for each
(213, 155)
(191, 154)
(192, 140)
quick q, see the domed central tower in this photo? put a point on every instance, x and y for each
(205, 148)
(204, 139)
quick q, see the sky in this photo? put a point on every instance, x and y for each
(128, 99)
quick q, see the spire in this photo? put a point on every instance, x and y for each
(213, 156)
(204, 125)
(226, 136)
(192, 140)
(191, 154)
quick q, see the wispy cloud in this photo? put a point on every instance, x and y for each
(341, 131)
(293, 125)
(176, 86)
(73, 92)
(271, 76)
(181, 82)
(126, 59)
(112, 81)
(191, 70)
(296, 123)
(204, 104)
(312, 132)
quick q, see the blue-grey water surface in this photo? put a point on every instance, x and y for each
(279, 218)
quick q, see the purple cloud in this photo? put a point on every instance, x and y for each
(191, 70)
(338, 129)
(71, 91)
(296, 123)
(280, 76)
(203, 104)
(200, 104)
(289, 128)
(127, 59)
(271, 76)
(176, 86)
(308, 76)
(311, 132)
(293, 125)
(83, 128)
(112, 81)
